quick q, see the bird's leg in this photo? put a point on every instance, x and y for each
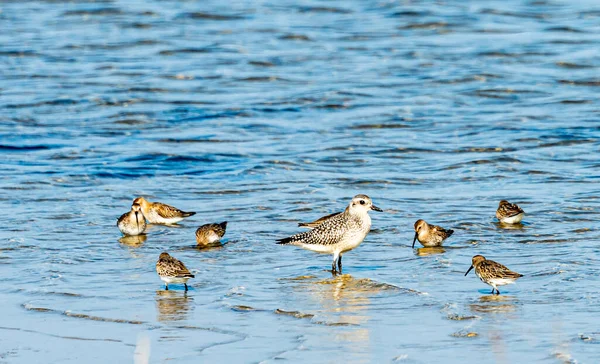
(492, 290)
(497, 292)
(340, 264)
(185, 285)
(166, 286)
(336, 257)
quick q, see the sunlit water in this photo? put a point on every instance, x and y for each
(268, 113)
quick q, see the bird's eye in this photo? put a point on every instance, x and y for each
(362, 202)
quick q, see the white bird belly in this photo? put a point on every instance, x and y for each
(501, 281)
(176, 280)
(154, 218)
(513, 219)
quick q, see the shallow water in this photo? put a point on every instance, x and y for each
(269, 113)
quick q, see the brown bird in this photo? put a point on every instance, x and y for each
(509, 213)
(171, 270)
(313, 224)
(210, 233)
(133, 222)
(160, 213)
(430, 235)
(492, 273)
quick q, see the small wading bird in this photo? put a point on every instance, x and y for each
(492, 273)
(210, 233)
(339, 233)
(171, 270)
(430, 235)
(509, 213)
(160, 213)
(133, 222)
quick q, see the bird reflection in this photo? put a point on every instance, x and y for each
(517, 226)
(494, 303)
(133, 241)
(343, 301)
(430, 250)
(214, 246)
(173, 305)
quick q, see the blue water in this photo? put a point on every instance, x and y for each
(268, 113)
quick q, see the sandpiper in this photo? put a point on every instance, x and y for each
(210, 233)
(171, 270)
(160, 213)
(133, 222)
(509, 213)
(492, 273)
(338, 234)
(313, 224)
(430, 235)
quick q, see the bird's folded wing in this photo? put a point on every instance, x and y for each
(329, 232)
(167, 211)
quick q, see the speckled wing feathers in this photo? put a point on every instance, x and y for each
(329, 232)
(169, 212)
(172, 267)
(489, 269)
(508, 210)
(319, 221)
(441, 232)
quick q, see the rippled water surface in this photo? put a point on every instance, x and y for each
(268, 113)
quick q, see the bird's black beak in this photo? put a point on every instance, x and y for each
(137, 221)
(471, 267)
(415, 239)
(373, 207)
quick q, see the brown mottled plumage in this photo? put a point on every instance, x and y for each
(430, 235)
(338, 234)
(133, 222)
(171, 270)
(313, 224)
(509, 213)
(210, 233)
(160, 213)
(492, 273)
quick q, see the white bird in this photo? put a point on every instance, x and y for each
(339, 233)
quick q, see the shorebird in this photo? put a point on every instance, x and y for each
(492, 273)
(509, 213)
(159, 213)
(430, 235)
(133, 222)
(338, 234)
(313, 224)
(210, 233)
(171, 270)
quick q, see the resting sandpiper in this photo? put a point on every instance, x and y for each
(210, 233)
(509, 213)
(159, 213)
(313, 224)
(492, 273)
(133, 222)
(171, 270)
(338, 234)
(430, 235)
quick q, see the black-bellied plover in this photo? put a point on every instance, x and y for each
(338, 234)
(313, 224)
(160, 213)
(430, 235)
(171, 270)
(509, 213)
(133, 222)
(492, 273)
(210, 233)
